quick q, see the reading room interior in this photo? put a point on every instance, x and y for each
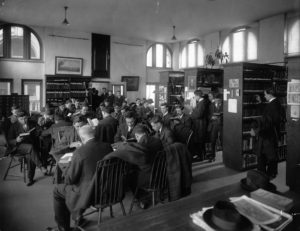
(149, 115)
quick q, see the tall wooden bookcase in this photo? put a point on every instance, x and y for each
(171, 86)
(60, 88)
(293, 131)
(242, 82)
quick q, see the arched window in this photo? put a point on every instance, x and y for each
(241, 45)
(19, 42)
(294, 37)
(192, 54)
(159, 55)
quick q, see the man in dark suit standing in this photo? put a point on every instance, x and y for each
(126, 130)
(199, 117)
(268, 132)
(182, 124)
(166, 117)
(107, 128)
(162, 132)
(68, 197)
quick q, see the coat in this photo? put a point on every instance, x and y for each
(80, 172)
(182, 128)
(166, 120)
(179, 170)
(166, 136)
(199, 118)
(106, 130)
(122, 131)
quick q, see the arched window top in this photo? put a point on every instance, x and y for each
(19, 42)
(294, 37)
(192, 54)
(159, 55)
(241, 45)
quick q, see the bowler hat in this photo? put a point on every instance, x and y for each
(257, 179)
(224, 217)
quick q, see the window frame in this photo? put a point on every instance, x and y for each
(11, 81)
(246, 33)
(26, 43)
(40, 81)
(165, 48)
(197, 43)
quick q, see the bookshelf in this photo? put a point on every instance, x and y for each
(7, 101)
(243, 82)
(61, 88)
(171, 86)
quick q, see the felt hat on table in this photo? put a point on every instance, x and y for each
(224, 217)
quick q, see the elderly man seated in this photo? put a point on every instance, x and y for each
(78, 176)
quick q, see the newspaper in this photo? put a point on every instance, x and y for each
(66, 158)
(253, 209)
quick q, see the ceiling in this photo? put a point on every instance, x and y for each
(144, 19)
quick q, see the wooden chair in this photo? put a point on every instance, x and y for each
(109, 187)
(16, 159)
(158, 179)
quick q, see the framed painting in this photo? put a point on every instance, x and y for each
(68, 66)
(132, 82)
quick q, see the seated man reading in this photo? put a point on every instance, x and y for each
(78, 176)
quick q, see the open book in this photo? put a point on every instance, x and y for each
(26, 133)
(66, 158)
(93, 122)
(261, 214)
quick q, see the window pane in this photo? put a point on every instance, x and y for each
(16, 42)
(33, 89)
(35, 50)
(1, 43)
(226, 47)
(159, 55)
(238, 46)
(192, 54)
(5, 88)
(183, 58)
(200, 56)
(150, 92)
(168, 58)
(149, 57)
(252, 46)
(294, 38)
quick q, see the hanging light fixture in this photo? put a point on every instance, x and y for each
(174, 37)
(66, 22)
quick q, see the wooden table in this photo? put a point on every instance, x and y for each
(175, 215)
(171, 216)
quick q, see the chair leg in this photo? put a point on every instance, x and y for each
(133, 200)
(153, 198)
(111, 211)
(24, 168)
(123, 209)
(99, 216)
(6, 172)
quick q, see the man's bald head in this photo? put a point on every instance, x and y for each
(86, 133)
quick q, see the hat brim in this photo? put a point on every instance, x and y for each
(269, 187)
(244, 224)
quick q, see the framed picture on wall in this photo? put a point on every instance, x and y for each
(191, 83)
(132, 82)
(68, 66)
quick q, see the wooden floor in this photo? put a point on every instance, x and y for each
(30, 208)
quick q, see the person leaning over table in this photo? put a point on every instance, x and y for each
(25, 145)
(69, 196)
(162, 132)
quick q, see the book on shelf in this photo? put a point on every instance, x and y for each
(66, 158)
(272, 199)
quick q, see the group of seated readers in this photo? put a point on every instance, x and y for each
(131, 132)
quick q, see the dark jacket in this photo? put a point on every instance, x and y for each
(153, 145)
(182, 128)
(106, 130)
(122, 131)
(15, 130)
(81, 170)
(166, 136)
(166, 120)
(199, 118)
